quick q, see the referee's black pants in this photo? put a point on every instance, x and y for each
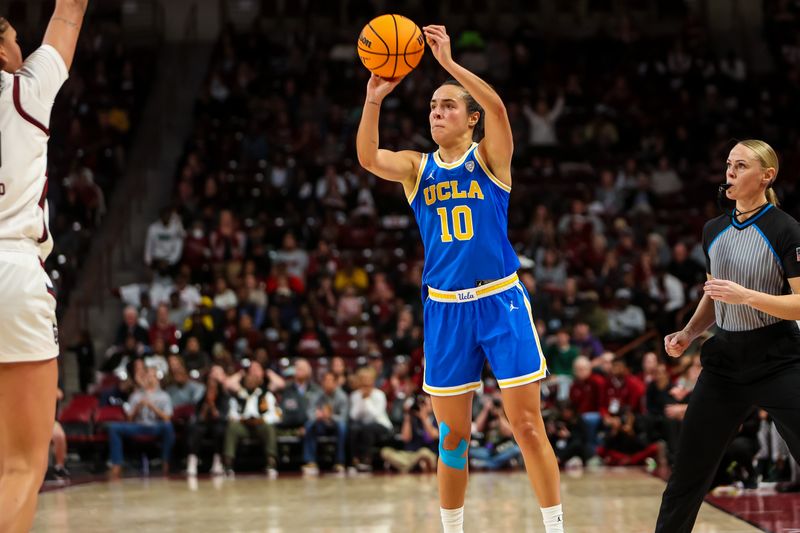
(740, 369)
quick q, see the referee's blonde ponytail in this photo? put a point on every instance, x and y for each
(771, 196)
(768, 159)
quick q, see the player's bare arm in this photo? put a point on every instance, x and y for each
(65, 27)
(393, 166)
(497, 146)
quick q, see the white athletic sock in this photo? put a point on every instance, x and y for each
(553, 518)
(453, 520)
(191, 465)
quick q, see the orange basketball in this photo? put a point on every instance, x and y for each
(391, 46)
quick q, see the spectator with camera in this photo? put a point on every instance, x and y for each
(419, 433)
(498, 448)
(567, 434)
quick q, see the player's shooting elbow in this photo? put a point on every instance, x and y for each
(363, 160)
(366, 159)
(497, 108)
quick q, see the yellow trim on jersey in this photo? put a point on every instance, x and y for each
(475, 293)
(459, 161)
(539, 374)
(423, 161)
(451, 391)
(522, 380)
(492, 177)
(533, 325)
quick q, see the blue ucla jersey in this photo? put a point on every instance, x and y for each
(462, 213)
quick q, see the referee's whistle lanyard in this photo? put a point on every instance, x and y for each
(734, 212)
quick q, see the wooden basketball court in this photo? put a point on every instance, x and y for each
(605, 501)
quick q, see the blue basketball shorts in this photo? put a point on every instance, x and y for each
(464, 328)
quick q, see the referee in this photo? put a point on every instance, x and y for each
(753, 296)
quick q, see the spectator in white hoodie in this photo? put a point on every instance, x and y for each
(164, 244)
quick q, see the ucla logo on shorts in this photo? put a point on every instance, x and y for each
(465, 297)
(470, 166)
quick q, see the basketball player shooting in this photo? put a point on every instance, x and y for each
(474, 305)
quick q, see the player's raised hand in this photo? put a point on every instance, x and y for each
(439, 42)
(676, 343)
(378, 88)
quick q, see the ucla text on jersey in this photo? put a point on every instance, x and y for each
(462, 212)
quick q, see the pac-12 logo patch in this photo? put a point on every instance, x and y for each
(470, 166)
(55, 333)
(797, 252)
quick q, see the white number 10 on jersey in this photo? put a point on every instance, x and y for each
(462, 223)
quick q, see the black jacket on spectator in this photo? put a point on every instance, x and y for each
(297, 405)
(137, 332)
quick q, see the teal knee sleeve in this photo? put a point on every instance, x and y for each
(453, 458)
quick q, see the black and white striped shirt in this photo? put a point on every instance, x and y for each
(761, 254)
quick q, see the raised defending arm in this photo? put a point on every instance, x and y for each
(65, 27)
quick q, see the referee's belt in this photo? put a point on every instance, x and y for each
(475, 293)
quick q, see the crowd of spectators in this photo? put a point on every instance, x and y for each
(280, 263)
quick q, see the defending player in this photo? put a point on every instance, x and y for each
(28, 333)
(475, 307)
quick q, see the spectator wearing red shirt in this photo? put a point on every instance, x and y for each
(196, 251)
(311, 340)
(623, 389)
(588, 397)
(280, 281)
(227, 243)
(323, 261)
(162, 328)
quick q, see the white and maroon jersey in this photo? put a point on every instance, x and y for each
(26, 99)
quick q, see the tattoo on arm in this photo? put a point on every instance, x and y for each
(65, 21)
